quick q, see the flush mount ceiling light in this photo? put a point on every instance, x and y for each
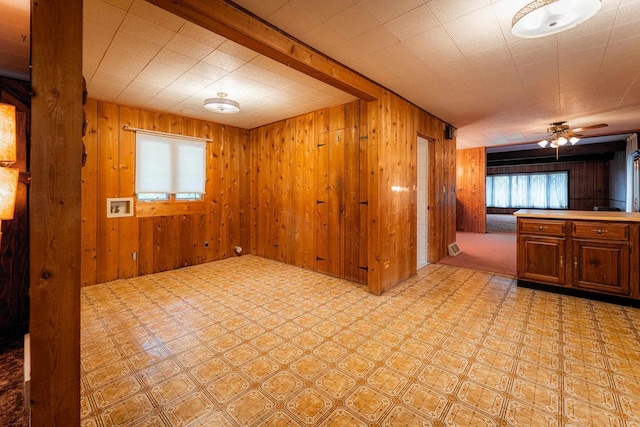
(545, 17)
(221, 104)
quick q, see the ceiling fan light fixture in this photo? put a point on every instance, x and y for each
(562, 140)
(545, 17)
(574, 140)
(543, 143)
(221, 104)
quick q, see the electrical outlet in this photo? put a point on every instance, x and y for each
(134, 256)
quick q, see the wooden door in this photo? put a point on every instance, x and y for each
(601, 266)
(542, 259)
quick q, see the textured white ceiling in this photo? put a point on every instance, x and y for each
(454, 58)
(458, 60)
(137, 54)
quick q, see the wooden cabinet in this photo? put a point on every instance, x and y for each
(542, 259)
(585, 255)
(541, 249)
(600, 266)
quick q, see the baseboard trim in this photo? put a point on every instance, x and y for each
(613, 299)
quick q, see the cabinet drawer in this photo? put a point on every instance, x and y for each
(600, 230)
(542, 226)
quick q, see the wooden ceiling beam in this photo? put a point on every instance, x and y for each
(602, 147)
(239, 26)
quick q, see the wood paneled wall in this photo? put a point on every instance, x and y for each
(14, 251)
(373, 239)
(588, 181)
(470, 187)
(332, 190)
(394, 125)
(163, 236)
(305, 186)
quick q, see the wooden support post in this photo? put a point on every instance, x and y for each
(56, 155)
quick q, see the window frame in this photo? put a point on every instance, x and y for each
(510, 204)
(169, 204)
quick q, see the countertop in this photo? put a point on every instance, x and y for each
(580, 215)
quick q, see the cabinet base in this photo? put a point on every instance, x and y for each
(614, 299)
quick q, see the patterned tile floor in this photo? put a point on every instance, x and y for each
(248, 341)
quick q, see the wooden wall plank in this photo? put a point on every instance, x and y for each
(145, 246)
(88, 267)
(335, 201)
(307, 140)
(244, 195)
(363, 204)
(225, 188)
(374, 261)
(186, 240)
(297, 188)
(127, 226)
(254, 179)
(286, 161)
(108, 152)
(470, 189)
(322, 204)
(351, 205)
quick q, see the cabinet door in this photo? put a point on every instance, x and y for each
(541, 259)
(601, 266)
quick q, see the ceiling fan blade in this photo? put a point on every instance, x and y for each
(573, 133)
(601, 125)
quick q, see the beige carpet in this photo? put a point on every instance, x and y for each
(501, 223)
(251, 342)
(494, 252)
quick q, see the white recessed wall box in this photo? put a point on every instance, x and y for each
(119, 207)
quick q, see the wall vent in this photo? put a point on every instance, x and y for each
(454, 250)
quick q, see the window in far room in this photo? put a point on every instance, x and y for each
(539, 190)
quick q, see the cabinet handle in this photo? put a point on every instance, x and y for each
(600, 230)
(575, 262)
(541, 228)
(561, 261)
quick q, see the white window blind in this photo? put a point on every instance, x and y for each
(169, 165)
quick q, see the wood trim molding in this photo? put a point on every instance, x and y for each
(235, 24)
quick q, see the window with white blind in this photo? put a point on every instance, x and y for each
(539, 190)
(169, 167)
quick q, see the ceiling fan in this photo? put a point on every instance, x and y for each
(560, 133)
